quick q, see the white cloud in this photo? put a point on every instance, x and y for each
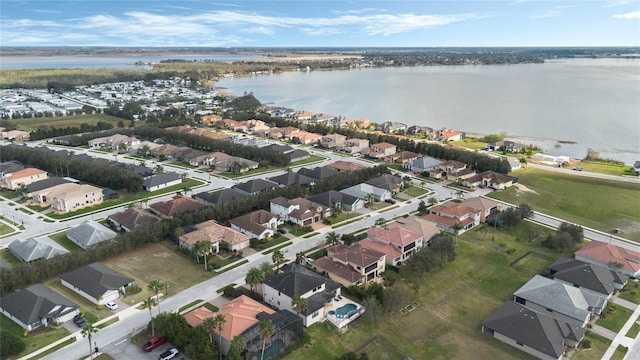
(546, 14)
(618, 3)
(631, 15)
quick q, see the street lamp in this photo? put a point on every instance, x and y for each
(166, 290)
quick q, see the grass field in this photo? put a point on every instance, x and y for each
(596, 203)
(603, 168)
(453, 303)
(620, 352)
(66, 121)
(631, 292)
(62, 239)
(150, 263)
(7, 257)
(634, 330)
(415, 191)
(615, 317)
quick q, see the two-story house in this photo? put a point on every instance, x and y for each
(351, 265)
(398, 244)
(259, 224)
(380, 150)
(354, 145)
(454, 217)
(26, 176)
(331, 141)
(299, 210)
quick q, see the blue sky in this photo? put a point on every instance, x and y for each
(328, 23)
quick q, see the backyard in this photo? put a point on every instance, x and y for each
(610, 204)
(452, 303)
(66, 121)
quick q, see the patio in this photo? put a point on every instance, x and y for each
(339, 304)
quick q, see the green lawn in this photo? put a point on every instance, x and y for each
(599, 346)
(88, 309)
(311, 159)
(603, 168)
(634, 330)
(62, 239)
(600, 204)
(452, 304)
(343, 216)
(36, 339)
(7, 257)
(469, 143)
(631, 292)
(4, 229)
(620, 352)
(614, 317)
(415, 191)
(65, 121)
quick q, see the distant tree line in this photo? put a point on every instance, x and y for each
(23, 275)
(106, 176)
(45, 132)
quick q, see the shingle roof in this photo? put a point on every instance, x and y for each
(296, 154)
(160, 179)
(133, 217)
(532, 329)
(296, 280)
(320, 173)
(89, 233)
(36, 302)
(291, 178)
(255, 186)
(344, 271)
(46, 183)
(345, 166)
(96, 279)
(331, 197)
(385, 181)
(220, 196)
(586, 275)
(253, 221)
(36, 248)
(9, 167)
(425, 162)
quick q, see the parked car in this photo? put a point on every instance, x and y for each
(577, 168)
(169, 354)
(390, 201)
(111, 306)
(154, 343)
(79, 320)
(282, 231)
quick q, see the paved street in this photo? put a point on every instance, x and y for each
(114, 338)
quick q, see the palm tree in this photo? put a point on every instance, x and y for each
(299, 304)
(203, 248)
(332, 238)
(209, 326)
(156, 286)
(456, 229)
(278, 258)
(370, 199)
(219, 321)
(254, 277)
(158, 169)
(266, 329)
(380, 221)
(22, 189)
(144, 150)
(149, 303)
(300, 258)
(87, 331)
(432, 201)
(266, 269)
(238, 343)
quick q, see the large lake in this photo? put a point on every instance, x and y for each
(107, 62)
(593, 102)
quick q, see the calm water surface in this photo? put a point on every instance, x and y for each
(593, 102)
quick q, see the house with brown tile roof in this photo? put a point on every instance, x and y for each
(361, 123)
(299, 210)
(307, 137)
(393, 256)
(351, 265)
(405, 156)
(214, 233)
(345, 166)
(452, 166)
(289, 131)
(405, 241)
(26, 176)
(380, 150)
(490, 179)
(610, 256)
(461, 175)
(354, 145)
(259, 224)
(240, 314)
(418, 225)
(446, 134)
(132, 218)
(450, 214)
(196, 317)
(483, 204)
(210, 119)
(331, 141)
(179, 205)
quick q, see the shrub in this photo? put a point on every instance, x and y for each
(586, 343)
(10, 344)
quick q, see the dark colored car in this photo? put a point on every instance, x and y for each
(154, 343)
(390, 201)
(79, 320)
(282, 231)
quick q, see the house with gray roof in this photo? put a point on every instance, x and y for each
(89, 233)
(535, 333)
(96, 283)
(46, 183)
(291, 178)
(161, 181)
(219, 197)
(255, 186)
(33, 249)
(560, 301)
(132, 218)
(259, 224)
(320, 173)
(8, 167)
(297, 155)
(335, 199)
(421, 164)
(37, 306)
(588, 277)
(388, 182)
(292, 279)
(362, 191)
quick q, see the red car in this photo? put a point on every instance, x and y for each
(154, 343)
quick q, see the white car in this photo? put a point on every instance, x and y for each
(169, 354)
(111, 306)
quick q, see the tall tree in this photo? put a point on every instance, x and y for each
(266, 268)
(87, 331)
(202, 248)
(254, 277)
(155, 286)
(209, 326)
(278, 258)
(332, 238)
(149, 303)
(219, 322)
(266, 329)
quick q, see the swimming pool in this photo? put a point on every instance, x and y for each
(346, 310)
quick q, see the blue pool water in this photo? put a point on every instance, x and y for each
(346, 310)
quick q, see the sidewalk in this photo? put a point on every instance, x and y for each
(621, 339)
